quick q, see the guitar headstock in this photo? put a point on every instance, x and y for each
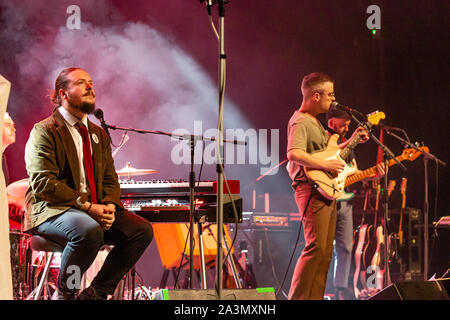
(403, 186)
(403, 191)
(376, 185)
(375, 117)
(391, 187)
(412, 154)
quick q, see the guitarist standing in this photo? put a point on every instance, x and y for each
(306, 135)
(338, 123)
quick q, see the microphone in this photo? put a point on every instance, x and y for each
(337, 106)
(390, 128)
(209, 4)
(98, 113)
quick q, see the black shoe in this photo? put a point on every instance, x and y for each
(91, 294)
(59, 295)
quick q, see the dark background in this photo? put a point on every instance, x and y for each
(270, 45)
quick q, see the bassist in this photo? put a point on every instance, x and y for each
(338, 123)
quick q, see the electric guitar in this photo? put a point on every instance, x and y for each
(362, 236)
(396, 238)
(407, 154)
(331, 185)
(376, 259)
(370, 243)
(403, 192)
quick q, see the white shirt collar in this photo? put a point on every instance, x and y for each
(70, 118)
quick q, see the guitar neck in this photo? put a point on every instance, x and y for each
(367, 173)
(345, 153)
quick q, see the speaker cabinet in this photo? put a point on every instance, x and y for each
(415, 290)
(269, 239)
(210, 294)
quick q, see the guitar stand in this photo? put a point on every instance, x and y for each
(230, 261)
(232, 264)
(427, 156)
(387, 153)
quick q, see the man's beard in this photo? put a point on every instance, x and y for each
(343, 134)
(84, 107)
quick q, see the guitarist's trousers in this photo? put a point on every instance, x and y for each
(319, 225)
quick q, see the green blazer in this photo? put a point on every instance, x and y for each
(52, 165)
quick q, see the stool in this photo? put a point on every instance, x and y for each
(40, 243)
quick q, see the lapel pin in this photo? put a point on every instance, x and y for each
(95, 138)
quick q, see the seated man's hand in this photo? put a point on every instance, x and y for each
(103, 214)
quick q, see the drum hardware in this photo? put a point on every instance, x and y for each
(17, 189)
(128, 171)
(20, 263)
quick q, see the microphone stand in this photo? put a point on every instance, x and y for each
(219, 164)
(192, 139)
(427, 156)
(387, 154)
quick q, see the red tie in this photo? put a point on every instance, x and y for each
(87, 159)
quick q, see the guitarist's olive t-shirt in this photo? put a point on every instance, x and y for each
(308, 135)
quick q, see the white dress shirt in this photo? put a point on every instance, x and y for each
(71, 121)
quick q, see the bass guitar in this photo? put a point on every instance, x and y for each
(396, 238)
(407, 154)
(361, 232)
(379, 252)
(370, 243)
(402, 210)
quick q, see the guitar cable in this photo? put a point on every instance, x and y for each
(314, 185)
(269, 252)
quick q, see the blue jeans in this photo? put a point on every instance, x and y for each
(343, 245)
(82, 237)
